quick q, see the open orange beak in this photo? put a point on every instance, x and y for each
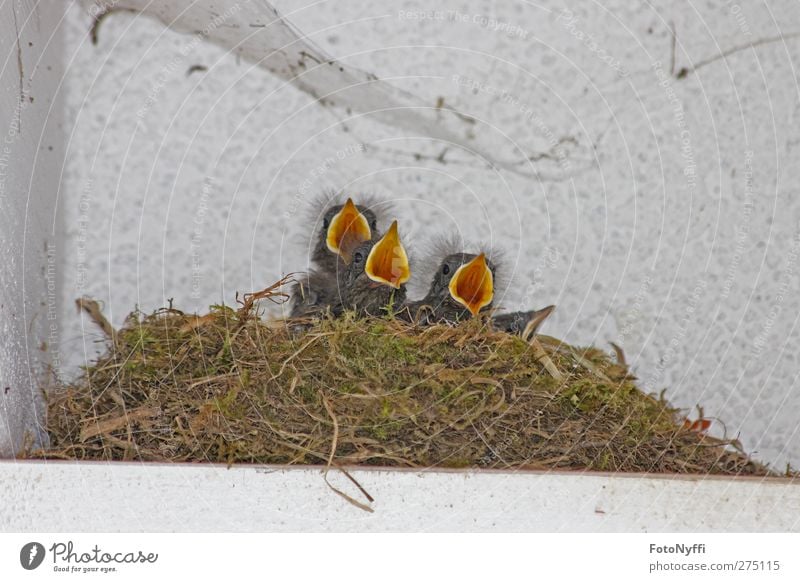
(347, 230)
(472, 284)
(387, 262)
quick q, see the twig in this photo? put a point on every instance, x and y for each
(98, 20)
(19, 65)
(672, 53)
(357, 484)
(685, 71)
(271, 293)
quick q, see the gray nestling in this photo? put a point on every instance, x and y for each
(376, 276)
(463, 287)
(344, 227)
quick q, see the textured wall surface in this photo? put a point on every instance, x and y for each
(655, 201)
(31, 152)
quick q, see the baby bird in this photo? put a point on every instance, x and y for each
(522, 323)
(376, 276)
(462, 287)
(344, 227)
(314, 294)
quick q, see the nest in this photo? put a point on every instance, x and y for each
(229, 387)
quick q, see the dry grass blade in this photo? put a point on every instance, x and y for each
(92, 309)
(548, 364)
(100, 427)
(298, 352)
(335, 440)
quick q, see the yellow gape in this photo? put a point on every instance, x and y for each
(472, 284)
(387, 262)
(347, 230)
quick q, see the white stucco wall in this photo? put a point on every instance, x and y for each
(31, 154)
(664, 217)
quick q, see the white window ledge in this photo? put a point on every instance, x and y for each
(65, 496)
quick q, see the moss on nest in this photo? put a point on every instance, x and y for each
(229, 387)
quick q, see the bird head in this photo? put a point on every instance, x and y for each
(461, 282)
(377, 274)
(472, 283)
(387, 261)
(345, 226)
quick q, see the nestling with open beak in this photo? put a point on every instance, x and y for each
(376, 276)
(344, 227)
(462, 287)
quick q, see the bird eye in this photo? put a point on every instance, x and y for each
(326, 223)
(357, 257)
(446, 270)
(373, 225)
